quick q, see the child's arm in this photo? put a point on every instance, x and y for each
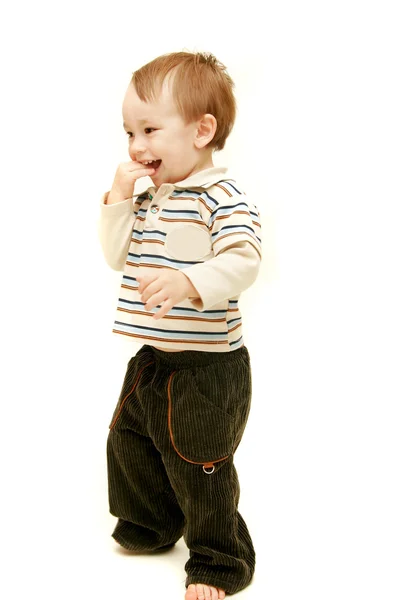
(117, 215)
(115, 227)
(235, 228)
(224, 276)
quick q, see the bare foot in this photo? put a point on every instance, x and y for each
(200, 591)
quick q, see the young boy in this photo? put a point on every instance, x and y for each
(187, 246)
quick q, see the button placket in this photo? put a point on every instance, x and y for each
(161, 197)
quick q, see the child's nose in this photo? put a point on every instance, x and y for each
(138, 146)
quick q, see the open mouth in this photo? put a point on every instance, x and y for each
(152, 164)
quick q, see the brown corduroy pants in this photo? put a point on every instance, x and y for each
(179, 419)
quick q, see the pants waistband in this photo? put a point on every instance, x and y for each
(193, 358)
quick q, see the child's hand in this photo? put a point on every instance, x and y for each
(164, 285)
(125, 177)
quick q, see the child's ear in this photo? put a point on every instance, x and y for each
(206, 128)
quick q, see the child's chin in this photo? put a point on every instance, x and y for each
(156, 174)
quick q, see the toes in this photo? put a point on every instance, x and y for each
(210, 592)
(207, 592)
(200, 592)
(191, 593)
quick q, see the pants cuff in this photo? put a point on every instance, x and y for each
(227, 584)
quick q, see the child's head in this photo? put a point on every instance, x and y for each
(177, 110)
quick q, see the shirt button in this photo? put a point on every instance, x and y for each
(154, 209)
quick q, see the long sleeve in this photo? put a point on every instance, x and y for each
(115, 226)
(235, 228)
(224, 276)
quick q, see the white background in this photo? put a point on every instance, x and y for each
(316, 146)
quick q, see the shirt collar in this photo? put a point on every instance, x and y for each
(204, 179)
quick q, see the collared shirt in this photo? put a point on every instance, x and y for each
(204, 226)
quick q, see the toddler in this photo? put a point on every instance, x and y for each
(187, 246)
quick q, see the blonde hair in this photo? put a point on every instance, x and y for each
(200, 85)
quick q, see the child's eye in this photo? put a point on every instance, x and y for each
(147, 130)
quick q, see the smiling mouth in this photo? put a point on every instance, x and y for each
(152, 164)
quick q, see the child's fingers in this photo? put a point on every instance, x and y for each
(142, 172)
(166, 307)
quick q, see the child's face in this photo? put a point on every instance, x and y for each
(157, 132)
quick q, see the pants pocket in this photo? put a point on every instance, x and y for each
(201, 432)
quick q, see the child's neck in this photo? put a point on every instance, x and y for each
(204, 163)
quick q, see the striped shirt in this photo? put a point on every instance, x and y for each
(204, 226)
